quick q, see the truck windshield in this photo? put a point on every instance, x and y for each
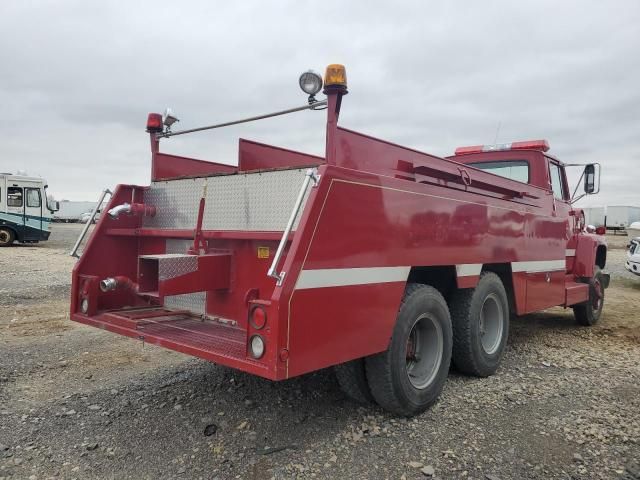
(513, 169)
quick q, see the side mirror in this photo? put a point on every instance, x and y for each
(589, 178)
(53, 205)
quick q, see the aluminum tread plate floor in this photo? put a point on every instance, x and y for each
(205, 336)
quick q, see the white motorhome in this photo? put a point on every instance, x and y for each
(25, 212)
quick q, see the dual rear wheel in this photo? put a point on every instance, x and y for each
(409, 376)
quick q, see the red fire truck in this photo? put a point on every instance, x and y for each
(383, 261)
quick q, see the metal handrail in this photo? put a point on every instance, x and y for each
(74, 250)
(310, 106)
(312, 174)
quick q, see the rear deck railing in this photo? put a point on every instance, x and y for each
(311, 175)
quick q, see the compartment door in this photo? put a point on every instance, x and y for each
(544, 290)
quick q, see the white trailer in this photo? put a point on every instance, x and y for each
(621, 216)
(71, 211)
(594, 216)
(25, 211)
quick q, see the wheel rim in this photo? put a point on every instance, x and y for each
(424, 351)
(491, 324)
(4, 236)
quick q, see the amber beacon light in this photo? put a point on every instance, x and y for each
(335, 77)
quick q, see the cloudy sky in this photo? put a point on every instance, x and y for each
(78, 79)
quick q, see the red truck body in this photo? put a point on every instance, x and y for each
(378, 217)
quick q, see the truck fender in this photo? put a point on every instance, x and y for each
(590, 251)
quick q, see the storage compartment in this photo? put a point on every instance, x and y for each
(175, 273)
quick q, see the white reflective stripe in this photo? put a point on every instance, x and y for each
(538, 266)
(340, 277)
(468, 269)
(570, 253)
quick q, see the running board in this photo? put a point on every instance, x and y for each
(575, 292)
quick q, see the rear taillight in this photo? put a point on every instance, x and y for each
(258, 318)
(154, 123)
(601, 230)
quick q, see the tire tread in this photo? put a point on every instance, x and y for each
(378, 367)
(460, 304)
(352, 379)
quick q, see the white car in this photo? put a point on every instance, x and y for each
(84, 218)
(633, 256)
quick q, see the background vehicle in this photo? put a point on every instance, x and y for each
(633, 256)
(633, 230)
(620, 217)
(594, 216)
(25, 212)
(84, 218)
(386, 262)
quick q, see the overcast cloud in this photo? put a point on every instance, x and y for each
(78, 79)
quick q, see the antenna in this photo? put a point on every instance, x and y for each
(495, 141)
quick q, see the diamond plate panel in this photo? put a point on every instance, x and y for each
(251, 202)
(174, 245)
(176, 266)
(193, 302)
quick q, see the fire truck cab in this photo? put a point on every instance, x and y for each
(382, 261)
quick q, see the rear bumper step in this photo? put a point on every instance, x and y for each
(182, 332)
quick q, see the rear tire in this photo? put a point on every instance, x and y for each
(480, 318)
(352, 379)
(7, 237)
(588, 313)
(409, 376)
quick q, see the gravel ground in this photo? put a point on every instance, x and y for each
(77, 402)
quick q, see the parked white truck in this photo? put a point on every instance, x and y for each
(25, 211)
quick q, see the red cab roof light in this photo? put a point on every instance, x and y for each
(541, 145)
(154, 123)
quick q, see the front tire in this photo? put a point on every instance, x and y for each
(409, 376)
(7, 237)
(588, 313)
(480, 318)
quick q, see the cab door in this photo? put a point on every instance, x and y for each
(545, 283)
(33, 212)
(15, 208)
